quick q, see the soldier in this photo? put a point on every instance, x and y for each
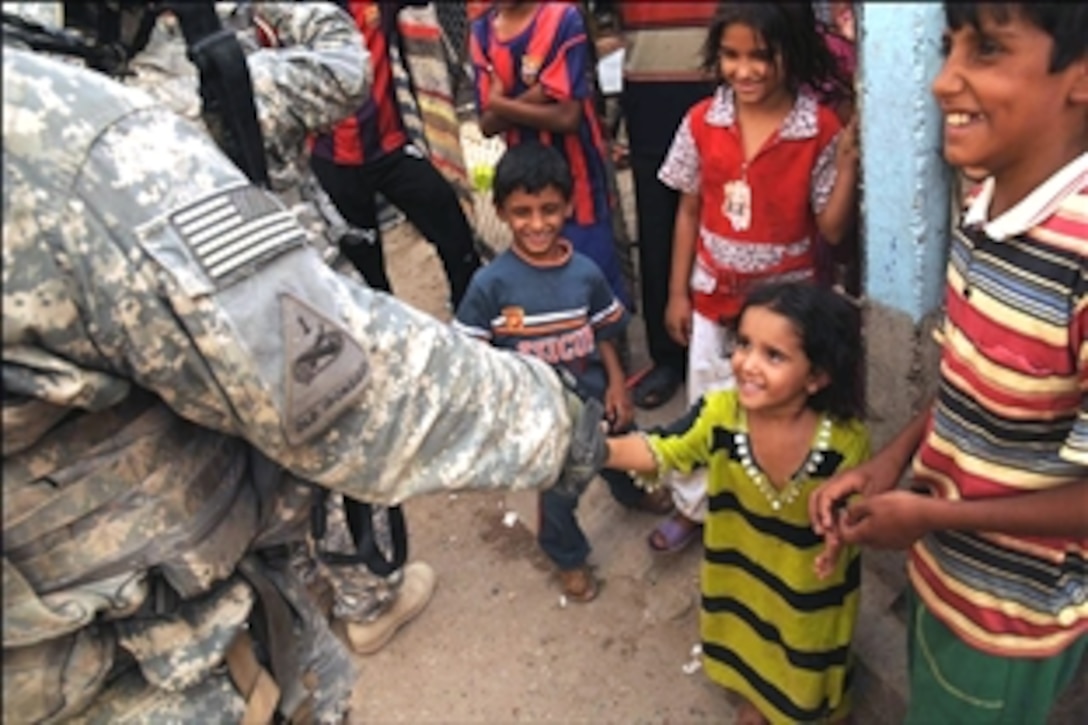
(371, 608)
(180, 368)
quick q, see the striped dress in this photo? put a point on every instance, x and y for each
(1011, 418)
(771, 630)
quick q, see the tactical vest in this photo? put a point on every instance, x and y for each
(91, 508)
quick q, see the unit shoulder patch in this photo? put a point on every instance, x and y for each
(325, 369)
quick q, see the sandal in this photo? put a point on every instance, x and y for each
(654, 387)
(579, 584)
(657, 502)
(677, 532)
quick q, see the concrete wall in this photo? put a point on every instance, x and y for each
(905, 197)
(904, 228)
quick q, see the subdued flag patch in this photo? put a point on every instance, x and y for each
(236, 230)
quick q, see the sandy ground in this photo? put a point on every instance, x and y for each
(497, 644)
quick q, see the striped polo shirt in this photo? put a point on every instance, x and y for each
(1011, 418)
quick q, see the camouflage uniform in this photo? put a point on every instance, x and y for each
(318, 46)
(176, 358)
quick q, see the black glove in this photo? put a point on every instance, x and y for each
(588, 448)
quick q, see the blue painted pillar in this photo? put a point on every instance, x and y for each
(906, 200)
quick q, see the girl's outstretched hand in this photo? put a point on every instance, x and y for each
(678, 319)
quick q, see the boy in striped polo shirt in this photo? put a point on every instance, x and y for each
(999, 541)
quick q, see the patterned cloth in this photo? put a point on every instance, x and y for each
(1011, 418)
(771, 629)
(425, 93)
(163, 322)
(789, 181)
(556, 312)
(165, 72)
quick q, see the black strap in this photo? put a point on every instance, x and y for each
(360, 520)
(360, 517)
(225, 87)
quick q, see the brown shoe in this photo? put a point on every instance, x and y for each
(579, 584)
(415, 592)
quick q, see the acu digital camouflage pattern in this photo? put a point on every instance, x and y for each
(318, 55)
(106, 285)
(318, 74)
(128, 265)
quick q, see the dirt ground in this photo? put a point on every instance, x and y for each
(496, 643)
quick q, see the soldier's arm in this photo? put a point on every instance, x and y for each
(317, 74)
(199, 287)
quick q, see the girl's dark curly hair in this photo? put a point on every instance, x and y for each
(791, 31)
(830, 330)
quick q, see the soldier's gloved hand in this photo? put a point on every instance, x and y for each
(588, 447)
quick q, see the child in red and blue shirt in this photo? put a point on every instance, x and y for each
(532, 66)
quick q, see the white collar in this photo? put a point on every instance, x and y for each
(800, 123)
(1033, 208)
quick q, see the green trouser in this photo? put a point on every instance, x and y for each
(951, 682)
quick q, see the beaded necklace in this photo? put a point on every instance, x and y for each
(788, 494)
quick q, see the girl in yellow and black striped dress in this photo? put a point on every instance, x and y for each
(778, 608)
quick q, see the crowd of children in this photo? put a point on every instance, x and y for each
(770, 466)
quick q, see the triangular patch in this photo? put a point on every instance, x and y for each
(325, 369)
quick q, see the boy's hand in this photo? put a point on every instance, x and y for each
(828, 558)
(828, 498)
(678, 318)
(619, 411)
(891, 520)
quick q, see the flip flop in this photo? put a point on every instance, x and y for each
(655, 386)
(676, 535)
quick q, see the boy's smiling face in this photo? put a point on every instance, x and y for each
(1004, 110)
(536, 221)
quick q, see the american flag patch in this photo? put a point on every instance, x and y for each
(236, 230)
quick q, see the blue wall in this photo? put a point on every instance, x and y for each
(906, 198)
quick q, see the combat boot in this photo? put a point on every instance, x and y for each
(413, 595)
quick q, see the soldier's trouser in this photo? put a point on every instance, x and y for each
(358, 595)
